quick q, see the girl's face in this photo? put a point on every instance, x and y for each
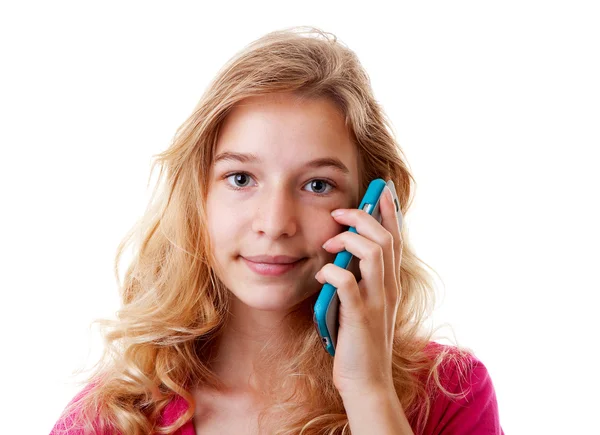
(281, 166)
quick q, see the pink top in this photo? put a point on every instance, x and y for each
(475, 414)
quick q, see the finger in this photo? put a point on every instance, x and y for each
(365, 224)
(371, 263)
(368, 227)
(392, 221)
(347, 289)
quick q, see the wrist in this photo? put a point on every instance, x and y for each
(370, 393)
(375, 410)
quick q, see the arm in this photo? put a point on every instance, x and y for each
(376, 412)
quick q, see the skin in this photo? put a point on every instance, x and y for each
(278, 211)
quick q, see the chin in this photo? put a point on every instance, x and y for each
(275, 297)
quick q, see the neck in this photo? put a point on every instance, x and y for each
(252, 341)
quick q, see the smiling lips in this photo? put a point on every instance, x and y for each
(272, 265)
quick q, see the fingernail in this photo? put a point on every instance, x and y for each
(337, 212)
(326, 243)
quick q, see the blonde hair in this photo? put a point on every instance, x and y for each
(174, 305)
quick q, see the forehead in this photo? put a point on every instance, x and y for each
(287, 129)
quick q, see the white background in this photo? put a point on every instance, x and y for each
(496, 104)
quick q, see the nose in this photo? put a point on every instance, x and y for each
(275, 213)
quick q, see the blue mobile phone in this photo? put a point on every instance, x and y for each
(325, 315)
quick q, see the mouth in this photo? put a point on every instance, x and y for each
(273, 269)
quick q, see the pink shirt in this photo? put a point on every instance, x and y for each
(475, 414)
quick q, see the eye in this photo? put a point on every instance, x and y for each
(241, 180)
(239, 177)
(320, 185)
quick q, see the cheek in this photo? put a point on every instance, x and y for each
(223, 222)
(323, 229)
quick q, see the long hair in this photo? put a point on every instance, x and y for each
(173, 304)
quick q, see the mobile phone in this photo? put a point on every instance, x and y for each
(325, 312)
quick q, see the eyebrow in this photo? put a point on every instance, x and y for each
(323, 162)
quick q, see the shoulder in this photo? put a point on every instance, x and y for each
(469, 404)
(71, 421)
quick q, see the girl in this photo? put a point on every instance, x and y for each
(215, 334)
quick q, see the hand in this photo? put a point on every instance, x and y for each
(367, 313)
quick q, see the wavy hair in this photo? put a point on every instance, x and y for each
(173, 304)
